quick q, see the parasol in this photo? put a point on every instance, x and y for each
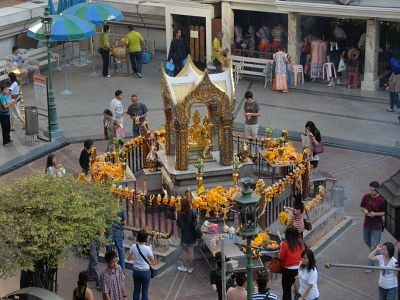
(64, 29)
(50, 5)
(95, 12)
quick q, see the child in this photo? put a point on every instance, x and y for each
(263, 292)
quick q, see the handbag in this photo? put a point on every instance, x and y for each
(307, 223)
(153, 274)
(318, 148)
(197, 230)
(275, 265)
(342, 65)
(119, 132)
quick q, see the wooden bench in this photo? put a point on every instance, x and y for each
(255, 67)
(40, 55)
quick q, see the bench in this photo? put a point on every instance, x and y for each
(255, 67)
(40, 55)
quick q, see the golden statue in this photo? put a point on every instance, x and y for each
(199, 135)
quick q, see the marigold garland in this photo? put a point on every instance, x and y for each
(290, 155)
(102, 170)
(262, 239)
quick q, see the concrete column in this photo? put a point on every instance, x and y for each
(371, 80)
(228, 21)
(294, 37)
(168, 29)
(209, 39)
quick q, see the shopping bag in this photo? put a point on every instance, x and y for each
(119, 132)
(342, 65)
(146, 57)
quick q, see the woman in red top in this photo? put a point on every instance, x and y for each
(290, 256)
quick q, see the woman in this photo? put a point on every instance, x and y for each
(15, 94)
(290, 256)
(393, 87)
(308, 277)
(104, 49)
(5, 105)
(314, 136)
(187, 220)
(280, 80)
(297, 211)
(387, 278)
(52, 169)
(110, 123)
(140, 252)
(82, 292)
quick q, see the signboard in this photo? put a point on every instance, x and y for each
(40, 87)
(194, 34)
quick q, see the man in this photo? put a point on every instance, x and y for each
(251, 114)
(137, 111)
(217, 51)
(239, 292)
(263, 292)
(112, 279)
(117, 235)
(5, 121)
(104, 49)
(116, 107)
(134, 41)
(373, 207)
(177, 52)
(84, 158)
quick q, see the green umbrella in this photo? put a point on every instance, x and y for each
(95, 12)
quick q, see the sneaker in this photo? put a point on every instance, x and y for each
(108, 76)
(182, 269)
(139, 75)
(368, 271)
(190, 270)
(390, 110)
(329, 84)
(8, 145)
(337, 81)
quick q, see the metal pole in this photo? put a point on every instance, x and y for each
(328, 265)
(249, 269)
(223, 263)
(398, 273)
(52, 102)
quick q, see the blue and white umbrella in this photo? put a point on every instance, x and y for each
(95, 12)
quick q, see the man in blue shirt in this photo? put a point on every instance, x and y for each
(137, 111)
(5, 121)
(117, 235)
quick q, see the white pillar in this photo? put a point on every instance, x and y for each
(228, 21)
(371, 80)
(168, 29)
(294, 37)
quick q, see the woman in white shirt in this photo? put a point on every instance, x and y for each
(308, 276)
(52, 169)
(387, 278)
(141, 268)
(15, 94)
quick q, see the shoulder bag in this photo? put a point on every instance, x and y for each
(317, 149)
(275, 265)
(153, 274)
(307, 223)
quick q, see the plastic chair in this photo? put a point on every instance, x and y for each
(298, 69)
(328, 67)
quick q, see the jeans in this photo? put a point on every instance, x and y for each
(288, 277)
(372, 238)
(178, 66)
(94, 261)
(141, 283)
(394, 100)
(5, 128)
(119, 244)
(136, 61)
(105, 55)
(387, 294)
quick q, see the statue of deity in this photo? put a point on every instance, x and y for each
(199, 135)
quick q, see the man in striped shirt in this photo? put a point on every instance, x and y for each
(263, 292)
(113, 279)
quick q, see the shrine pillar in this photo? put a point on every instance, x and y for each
(226, 147)
(181, 146)
(213, 115)
(228, 21)
(169, 133)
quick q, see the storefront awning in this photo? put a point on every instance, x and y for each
(342, 11)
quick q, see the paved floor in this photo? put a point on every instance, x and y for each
(346, 118)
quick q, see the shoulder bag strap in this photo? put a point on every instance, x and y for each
(141, 254)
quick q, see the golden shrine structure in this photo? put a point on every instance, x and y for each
(208, 137)
(217, 93)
